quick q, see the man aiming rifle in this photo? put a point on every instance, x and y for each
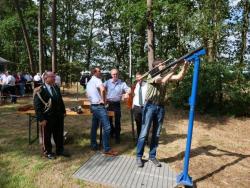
(154, 110)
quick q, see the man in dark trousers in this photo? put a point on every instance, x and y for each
(115, 89)
(50, 112)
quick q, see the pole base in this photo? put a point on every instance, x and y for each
(184, 180)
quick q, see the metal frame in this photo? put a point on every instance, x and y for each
(183, 178)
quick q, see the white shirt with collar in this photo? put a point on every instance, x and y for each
(144, 87)
(92, 90)
(49, 88)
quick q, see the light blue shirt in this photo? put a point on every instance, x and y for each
(115, 89)
(93, 91)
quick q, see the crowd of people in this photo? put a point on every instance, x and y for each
(20, 84)
(149, 98)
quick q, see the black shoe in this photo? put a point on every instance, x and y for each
(63, 154)
(50, 156)
(155, 162)
(139, 162)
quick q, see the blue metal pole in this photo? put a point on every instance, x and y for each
(183, 178)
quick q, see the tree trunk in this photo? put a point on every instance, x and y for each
(26, 37)
(53, 42)
(89, 45)
(244, 30)
(116, 49)
(150, 32)
(40, 39)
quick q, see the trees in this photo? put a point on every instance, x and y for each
(86, 33)
(244, 30)
(53, 36)
(150, 32)
(40, 36)
(26, 36)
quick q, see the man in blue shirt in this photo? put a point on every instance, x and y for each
(115, 89)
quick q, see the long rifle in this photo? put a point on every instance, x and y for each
(155, 71)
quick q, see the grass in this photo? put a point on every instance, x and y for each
(220, 154)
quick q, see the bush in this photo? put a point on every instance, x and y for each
(222, 89)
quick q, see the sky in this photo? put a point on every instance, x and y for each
(234, 2)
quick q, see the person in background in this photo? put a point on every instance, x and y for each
(154, 109)
(9, 86)
(58, 81)
(20, 83)
(28, 85)
(96, 95)
(37, 80)
(115, 89)
(2, 78)
(85, 77)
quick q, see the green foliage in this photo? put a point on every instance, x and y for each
(221, 90)
(96, 33)
(70, 72)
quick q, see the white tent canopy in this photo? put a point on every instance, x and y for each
(4, 61)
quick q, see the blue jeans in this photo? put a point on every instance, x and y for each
(151, 113)
(100, 115)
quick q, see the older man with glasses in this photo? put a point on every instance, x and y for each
(115, 90)
(50, 112)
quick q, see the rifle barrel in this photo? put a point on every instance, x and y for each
(180, 60)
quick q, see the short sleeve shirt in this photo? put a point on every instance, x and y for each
(115, 89)
(156, 92)
(93, 91)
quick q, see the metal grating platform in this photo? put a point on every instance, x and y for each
(122, 171)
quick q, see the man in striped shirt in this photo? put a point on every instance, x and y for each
(154, 110)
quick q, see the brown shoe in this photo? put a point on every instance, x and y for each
(111, 153)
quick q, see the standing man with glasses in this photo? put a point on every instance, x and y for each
(96, 94)
(50, 112)
(154, 110)
(115, 90)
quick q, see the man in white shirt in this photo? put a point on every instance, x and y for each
(37, 80)
(9, 86)
(138, 101)
(95, 92)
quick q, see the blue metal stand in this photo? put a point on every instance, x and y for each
(183, 178)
